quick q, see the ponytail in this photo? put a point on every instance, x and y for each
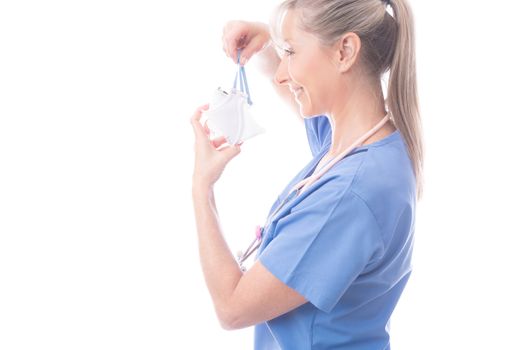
(402, 97)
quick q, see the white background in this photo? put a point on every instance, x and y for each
(98, 245)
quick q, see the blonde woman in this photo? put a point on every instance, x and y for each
(335, 254)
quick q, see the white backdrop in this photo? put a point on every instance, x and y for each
(98, 246)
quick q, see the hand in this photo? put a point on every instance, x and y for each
(251, 37)
(210, 158)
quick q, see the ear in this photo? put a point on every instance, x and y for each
(348, 47)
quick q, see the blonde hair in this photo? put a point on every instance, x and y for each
(387, 45)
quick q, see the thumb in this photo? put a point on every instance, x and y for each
(231, 151)
(255, 45)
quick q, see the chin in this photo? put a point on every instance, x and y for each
(307, 113)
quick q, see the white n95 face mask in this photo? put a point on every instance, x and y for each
(229, 113)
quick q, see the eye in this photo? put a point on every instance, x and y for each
(283, 51)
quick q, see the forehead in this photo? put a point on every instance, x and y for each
(289, 30)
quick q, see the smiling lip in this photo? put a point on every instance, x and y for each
(297, 92)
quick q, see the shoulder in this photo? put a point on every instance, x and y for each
(382, 177)
(318, 132)
(386, 170)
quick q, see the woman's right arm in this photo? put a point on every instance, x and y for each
(254, 38)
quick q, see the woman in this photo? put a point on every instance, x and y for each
(335, 252)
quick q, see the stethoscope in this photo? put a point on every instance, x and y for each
(301, 185)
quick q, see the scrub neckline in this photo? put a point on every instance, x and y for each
(358, 149)
(380, 142)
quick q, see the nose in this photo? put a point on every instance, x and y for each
(281, 74)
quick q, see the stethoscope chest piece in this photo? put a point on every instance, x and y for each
(241, 257)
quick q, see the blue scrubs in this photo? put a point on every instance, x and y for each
(345, 244)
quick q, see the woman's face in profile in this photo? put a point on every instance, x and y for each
(305, 67)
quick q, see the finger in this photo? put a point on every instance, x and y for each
(218, 141)
(227, 52)
(225, 46)
(206, 128)
(227, 38)
(255, 45)
(198, 113)
(231, 151)
(195, 122)
(235, 42)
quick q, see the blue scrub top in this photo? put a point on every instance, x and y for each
(345, 244)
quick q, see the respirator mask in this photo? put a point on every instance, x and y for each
(229, 112)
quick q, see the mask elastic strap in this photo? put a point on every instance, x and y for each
(243, 82)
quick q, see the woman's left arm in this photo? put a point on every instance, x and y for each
(239, 300)
(221, 272)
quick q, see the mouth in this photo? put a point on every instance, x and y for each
(297, 92)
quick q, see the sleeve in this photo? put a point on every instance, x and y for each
(318, 132)
(323, 245)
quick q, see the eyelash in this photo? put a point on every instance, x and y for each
(288, 52)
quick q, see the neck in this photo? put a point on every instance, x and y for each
(360, 111)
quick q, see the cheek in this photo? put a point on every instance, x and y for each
(302, 68)
(312, 75)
